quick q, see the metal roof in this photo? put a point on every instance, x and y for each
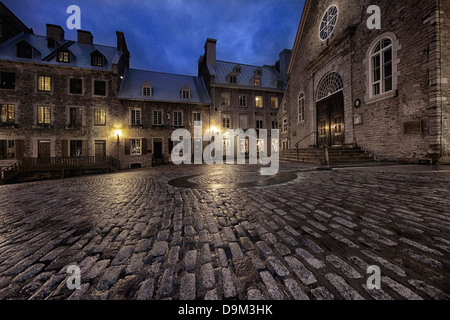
(269, 75)
(165, 87)
(81, 53)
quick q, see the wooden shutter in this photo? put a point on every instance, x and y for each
(144, 146)
(64, 148)
(19, 149)
(127, 146)
(85, 148)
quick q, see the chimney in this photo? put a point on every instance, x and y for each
(55, 32)
(285, 59)
(85, 37)
(210, 52)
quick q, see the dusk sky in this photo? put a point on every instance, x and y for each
(169, 35)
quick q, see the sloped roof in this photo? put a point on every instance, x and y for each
(82, 52)
(269, 75)
(166, 87)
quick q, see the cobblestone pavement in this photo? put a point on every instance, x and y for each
(135, 236)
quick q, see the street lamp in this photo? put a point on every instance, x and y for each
(118, 133)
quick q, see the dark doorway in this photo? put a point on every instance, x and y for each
(157, 149)
(330, 120)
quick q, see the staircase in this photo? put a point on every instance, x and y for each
(317, 155)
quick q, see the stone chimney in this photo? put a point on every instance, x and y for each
(210, 52)
(55, 32)
(85, 37)
(285, 59)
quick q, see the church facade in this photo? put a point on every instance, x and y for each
(383, 90)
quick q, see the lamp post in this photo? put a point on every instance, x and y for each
(118, 133)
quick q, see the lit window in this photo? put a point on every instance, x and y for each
(274, 102)
(63, 56)
(135, 117)
(97, 60)
(257, 82)
(43, 115)
(301, 107)
(44, 83)
(100, 117)
(259, 102)
(7, 113)
(381, 67)
(136, 146)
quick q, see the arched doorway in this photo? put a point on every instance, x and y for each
(330, 111)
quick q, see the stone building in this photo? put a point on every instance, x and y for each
(242, 96)
(383, 90)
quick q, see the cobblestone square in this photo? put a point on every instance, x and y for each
(226, 232)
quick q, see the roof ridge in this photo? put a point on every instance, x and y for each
(246, 64)
(161, 72)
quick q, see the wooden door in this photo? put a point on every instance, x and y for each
(330, 121)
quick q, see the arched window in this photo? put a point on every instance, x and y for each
(328, 23)
(330, 84)
(381, 67)
(301, 107)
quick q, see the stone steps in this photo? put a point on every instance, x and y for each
(316, 155)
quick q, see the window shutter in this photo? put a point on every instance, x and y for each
(64, 148)
(85, 150)
(144, 146)
(127, 146)
(19, 149)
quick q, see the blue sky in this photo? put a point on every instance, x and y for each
(169, 35)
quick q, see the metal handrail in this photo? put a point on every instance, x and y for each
(301, 140)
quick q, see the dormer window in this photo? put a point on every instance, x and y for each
(185, 93)
(63, 56)
(232, 79)
(257, 82)
(24, 50)
(259, 71)
(147, 90)
(97, 59)
(237, 69)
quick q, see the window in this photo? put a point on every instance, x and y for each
(76, 86)
(185, 93)
(7, 114)
(76, 148)
(225, 99)
(177, 118)
(328, 23)
(136, 146)
(330, 84)
(242, 101)
(63, 56)
(97, 60)
(259, 71)
(75, 117)
(285, 125)
(257, 82)
(135, 117)
(243, 121)
(157, 118)
(147, 91)
(259, 102)
(338, 125)
(24, 50)
(197, 117)
(99, 117)
(8, 80)
(44, 83)
(274, 123)
(43, 115)
(226, 121)
(259, 122)
(274, 102)
(381, 67)
(301, 107)
(232, 79)
(99, 88)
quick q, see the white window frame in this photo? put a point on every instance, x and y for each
(185, 94)
(301, 107)
(147, 91)
(285, 125)
(135, 141)
(158, 123)
(228, 117)
(380, 54)
(243, 101)
(199, 119)
(225, 98)
(177, 116)
(135, 114)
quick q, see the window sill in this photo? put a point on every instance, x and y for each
(381, 97)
